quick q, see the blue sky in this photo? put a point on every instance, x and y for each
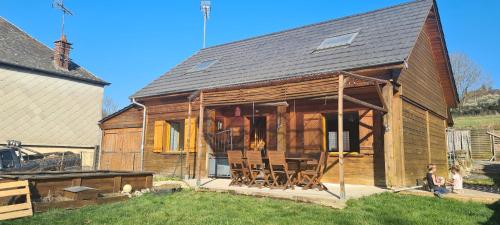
(130, 43)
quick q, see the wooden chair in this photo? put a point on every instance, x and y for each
(256, 167)
(239, 171)
(312, 177)
(279, 170)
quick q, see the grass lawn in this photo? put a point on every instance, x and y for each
(467, 122)
(189, 207)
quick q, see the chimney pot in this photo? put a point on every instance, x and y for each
(61, 53)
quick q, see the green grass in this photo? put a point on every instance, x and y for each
(163, 178)
(481, 181)
(467, 122)
(189, 207)
(490, 179)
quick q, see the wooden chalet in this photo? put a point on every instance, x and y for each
(384, 74)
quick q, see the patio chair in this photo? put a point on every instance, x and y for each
(239, 171)
(279, 170)
(312, 177)
(256, 167)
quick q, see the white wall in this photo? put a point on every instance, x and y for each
(41, 110)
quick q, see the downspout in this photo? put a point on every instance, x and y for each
(143, 131)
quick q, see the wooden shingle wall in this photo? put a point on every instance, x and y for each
(420, 80)
(415, 143)
(438, 149)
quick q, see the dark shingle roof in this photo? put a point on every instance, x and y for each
(19, 49)
(385, 36)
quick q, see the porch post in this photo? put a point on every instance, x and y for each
(188, 147)
(281, 129)
(200, 142)
(340, 137)
(390, 167)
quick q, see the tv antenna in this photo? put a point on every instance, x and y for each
(59, 4)
(205, 6)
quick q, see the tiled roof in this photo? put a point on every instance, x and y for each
(385, 36)
(19, 49)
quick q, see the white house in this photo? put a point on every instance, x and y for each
(47, 101)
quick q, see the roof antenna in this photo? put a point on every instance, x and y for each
(59, 4)
(205, 9)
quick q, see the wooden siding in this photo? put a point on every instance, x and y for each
(415, 143)
(420, 80)
(424, 142)
(438, 149)
(130, 118)
(169, 163)
(121, 141)
(121, 149)
(436, 39)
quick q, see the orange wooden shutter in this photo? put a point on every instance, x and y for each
(166, 136)
(158, 136)
(192, 140)
(323, 131)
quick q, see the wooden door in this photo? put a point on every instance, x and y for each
(121, 149)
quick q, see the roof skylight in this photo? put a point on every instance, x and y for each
(337, 41)
(202, 66)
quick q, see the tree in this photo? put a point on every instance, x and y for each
(109, 106)
(467, 74)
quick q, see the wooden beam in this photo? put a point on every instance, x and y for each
(428, 137)
(361, 77)
(281, 123)
(353, 100)
(379, 92)
(398, 144)
(363, 103)
(200, 142)
(188, 152)
(390, 168)
(340, 138)
(274, 104)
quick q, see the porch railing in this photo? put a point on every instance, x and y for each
(223, 141)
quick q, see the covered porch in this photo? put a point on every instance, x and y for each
(301, 116)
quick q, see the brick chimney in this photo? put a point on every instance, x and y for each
(61, 53)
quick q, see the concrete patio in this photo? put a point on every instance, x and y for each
(329, 198)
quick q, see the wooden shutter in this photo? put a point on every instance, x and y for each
(313, 134)
(192, 140)
(166, 136)
(158, 136)
(323, 130)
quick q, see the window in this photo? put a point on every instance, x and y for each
(351, 132)
(175, 136)
(172, 136)
(337, 41)
(202, 66)
(7, 159)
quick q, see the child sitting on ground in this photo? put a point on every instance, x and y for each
(435, 183)
(457, 181)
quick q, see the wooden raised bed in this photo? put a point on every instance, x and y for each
(45, 184)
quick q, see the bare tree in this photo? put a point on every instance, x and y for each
(467, 74)
(109, 106)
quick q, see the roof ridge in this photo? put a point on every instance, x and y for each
(316, 24)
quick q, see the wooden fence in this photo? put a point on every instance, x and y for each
(459, 147)
(14, 191)
(480, 144)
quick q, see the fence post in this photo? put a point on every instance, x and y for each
(97, 151)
